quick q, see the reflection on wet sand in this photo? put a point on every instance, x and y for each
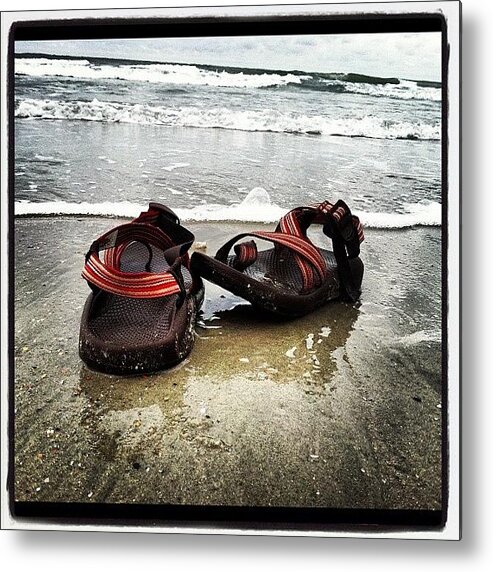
(258, 347)
(205, 400)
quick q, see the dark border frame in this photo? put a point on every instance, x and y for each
(229, 517)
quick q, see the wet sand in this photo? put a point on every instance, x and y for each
(339, 409)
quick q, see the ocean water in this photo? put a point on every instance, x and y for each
(100, 136)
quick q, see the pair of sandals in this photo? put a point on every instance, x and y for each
(147, 290)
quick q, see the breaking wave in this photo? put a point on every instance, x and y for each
(224, 118)
(173, 74)
(256, 207)
(218, 76)
(403, 90)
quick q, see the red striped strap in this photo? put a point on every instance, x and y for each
(291, 233)
(162, 216)
(106, 274)
(340, 213)
(246, 254)
(159, 227)
(290, 225)
(130, 284)
(299, 246)
(297, 221)
(338, 222)
(321, 213)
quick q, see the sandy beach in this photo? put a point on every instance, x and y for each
(340, 409)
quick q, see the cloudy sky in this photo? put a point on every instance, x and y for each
(409, 56)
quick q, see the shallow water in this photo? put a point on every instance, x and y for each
(198, 138)
(197, 169)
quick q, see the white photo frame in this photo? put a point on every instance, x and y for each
(334, 523)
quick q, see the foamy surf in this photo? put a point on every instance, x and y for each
(403, 90)
(419, 337)
(196, 75)
(170, 74)
(223, 118)
(418, 214)
(256, 207)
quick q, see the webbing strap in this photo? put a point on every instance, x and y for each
(339, 224)
(180, 238)
(130, 284)
(346, 233)
(246, 254)
(348, 223)
(147, 229)
(301, 247)
(290, 224)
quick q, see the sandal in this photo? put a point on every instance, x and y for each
(295, 277)
(140, 315)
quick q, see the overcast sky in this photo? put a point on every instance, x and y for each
(410, 56)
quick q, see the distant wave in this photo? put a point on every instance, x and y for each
(256, 207)
(217, 76)
(174, 74)
(223, 118)
(404, 90)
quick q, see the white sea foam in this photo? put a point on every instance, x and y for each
(183, 75)
(421, 336)
(38, 157)
(224, 118)
(418, 214)
(403, 90)
(256, 207)
(172, 74)
(175, 166)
